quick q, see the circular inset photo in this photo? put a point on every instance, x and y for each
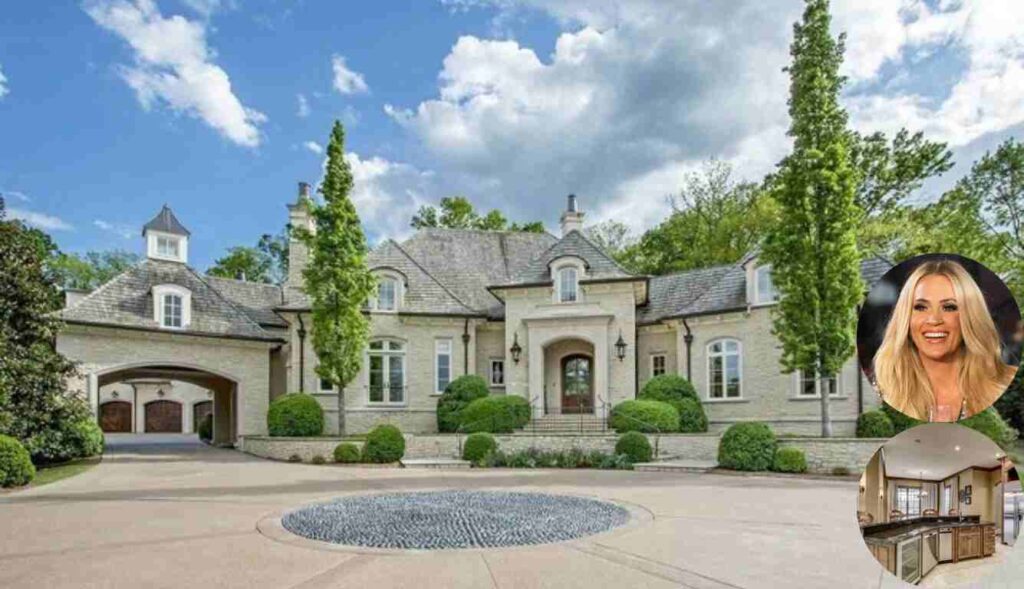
(939, 337)
(940, 504)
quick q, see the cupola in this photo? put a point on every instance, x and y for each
(166, 238)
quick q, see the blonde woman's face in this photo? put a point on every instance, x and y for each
(935, 318)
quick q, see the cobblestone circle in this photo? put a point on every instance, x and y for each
(438, 520)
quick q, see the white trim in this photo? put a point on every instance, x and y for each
(664, 363)
(153, 249)
(756, 299)
(798, 387)
(161, 291)
(381, 276)
(709, 355)
(490, 372)
(438, 353)
(386, 372)
(560, 265)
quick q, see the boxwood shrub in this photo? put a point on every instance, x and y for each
(16, 468)
(478, 447)
(875, 424)
(692, 419)
(384, 444)
(990, 423)
(295, 415)
(460, 392)
(501, 414)
(635, 446)
(789, 459)
(668, 388)
(747, 446)
(346, 453)
(639, 415)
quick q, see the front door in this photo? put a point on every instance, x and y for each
(577, 384)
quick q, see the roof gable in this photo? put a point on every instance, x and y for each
(165, 222)
(423, 292)
(599, 264)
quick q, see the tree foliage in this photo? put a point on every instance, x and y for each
(89, 271)
(612, 236)
(338, 281)
(813, 247)
(267, 262)
(456, 212)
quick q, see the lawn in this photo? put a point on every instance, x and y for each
(58, 472)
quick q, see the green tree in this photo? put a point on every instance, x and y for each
(276, 248)
(338, 281)
(456, 212)
(614, 237)
(89, 271)
(243, 263)
(813, 247)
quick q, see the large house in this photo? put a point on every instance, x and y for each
(552, 319)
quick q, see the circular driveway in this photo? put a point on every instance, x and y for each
(165, 511)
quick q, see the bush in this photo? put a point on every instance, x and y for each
(900, 421)
(206, 428)
(346, 453)
(691, 416)
(16, 468)
(635, 446)
(498, 415)
(644, 416)
(460, 392)
(989, 422)
(747, 446)
(789, 459)
(670, 388)
(875, 424)
(384, 444)
(295, 415)
(318, 459)
(572, 458)
(478, 446)
(80, 438)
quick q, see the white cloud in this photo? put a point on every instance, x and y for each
(4, 90)
(206, 8)
(387, 194)
(174, 66)
(16, 195)
(40, 220)
(314, 147)
(303, 109)
(123, 231)
(347, 81)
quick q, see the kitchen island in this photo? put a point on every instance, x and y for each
(910, 548)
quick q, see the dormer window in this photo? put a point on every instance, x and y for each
(389, 292)
(172, 306)
(168, 247)
(568, 285)
(172, 316)
(764, 288)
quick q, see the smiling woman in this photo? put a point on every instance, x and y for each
(941, 358)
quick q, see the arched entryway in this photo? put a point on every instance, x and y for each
(569, 378)
(116, 417)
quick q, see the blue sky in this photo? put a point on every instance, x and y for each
(110, 108)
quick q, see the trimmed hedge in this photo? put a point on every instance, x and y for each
(205, 429)
(669, 388)
(384, 444)
(16, 468)
(639, 415)
(478, 447)
(747, 446)
(789, 459)
(501, 414)
(460, 392)
(635, 446)
(346, 453)
(295, 415)
(692, 419)
(572, 458)
(990, 423)
(875, 424)
(66, 441)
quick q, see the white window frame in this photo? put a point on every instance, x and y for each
(560, 266)
(759, 297)
(723, 354)
(798, 386)
(160, 292)
(439, 352)
(491, 372)
(908, 489)
(320, 385)
(387, 353)
(399, 292)
(664, 363)
(153, 250)
(562, 291)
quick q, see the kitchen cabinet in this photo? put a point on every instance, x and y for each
(886, 556)
(989, 540)
(968, 542)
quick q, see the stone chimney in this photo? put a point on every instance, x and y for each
(572, 218)
(298, 254)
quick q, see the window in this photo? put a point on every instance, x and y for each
(947, 499)
(765, 288)
(657, 365)
(497, 373)
(567, 285)
(326, 386)
(442, 364)
(387, 294)
(168, 247)
(387, 372)
(724, 369)
(908, 500)
(809, 386)
(172, 315)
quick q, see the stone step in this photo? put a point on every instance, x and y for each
(436, 463)
(676, 466)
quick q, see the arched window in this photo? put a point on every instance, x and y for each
(724, 369)
(172, 306)
(764, 286)
(387, 293)
(172, 310)
(568, 284)
(387, 372)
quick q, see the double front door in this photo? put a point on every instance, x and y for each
(577, 384)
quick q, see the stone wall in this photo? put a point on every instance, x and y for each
(285, 448)
(826, 454)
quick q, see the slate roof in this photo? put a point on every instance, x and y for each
(423, 292)
(255, 299)
(127, 301)
(599, 264)
(166, 222)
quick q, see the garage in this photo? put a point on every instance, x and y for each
(163, 417)
(116, 417)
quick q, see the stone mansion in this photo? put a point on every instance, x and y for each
(553, 319)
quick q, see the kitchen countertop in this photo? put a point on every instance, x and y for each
(896, 532)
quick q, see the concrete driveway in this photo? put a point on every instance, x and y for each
(165, 511)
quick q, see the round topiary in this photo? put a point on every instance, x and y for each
(384, 444)
(501, 414)
(637, 415)
(295, 415)
(875, 424)
(635, 446)
(205, 429)
(460, 392)
(479, 446)
(669, 388)
(747, 446)
(691, 416)
(16, 468)
(789, 459)
(346, 453)
(990, 423)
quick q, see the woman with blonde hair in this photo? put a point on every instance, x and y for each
(940, 359)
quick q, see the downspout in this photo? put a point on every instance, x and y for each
(302, 351)
(688, 340)
(465, 347)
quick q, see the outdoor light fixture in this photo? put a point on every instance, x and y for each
(620, 347)
(516, 349)
(116, 395)
(160, 393)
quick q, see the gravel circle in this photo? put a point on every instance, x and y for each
(439, 520)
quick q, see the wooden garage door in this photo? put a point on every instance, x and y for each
(163, 417)
(199, 412)
(116, 417)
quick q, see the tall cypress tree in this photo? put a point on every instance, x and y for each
(338, 281)
(813, 248)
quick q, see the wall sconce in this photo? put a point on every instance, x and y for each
(160, 393)
(115, 394)
(516, 349)
(620, 348)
